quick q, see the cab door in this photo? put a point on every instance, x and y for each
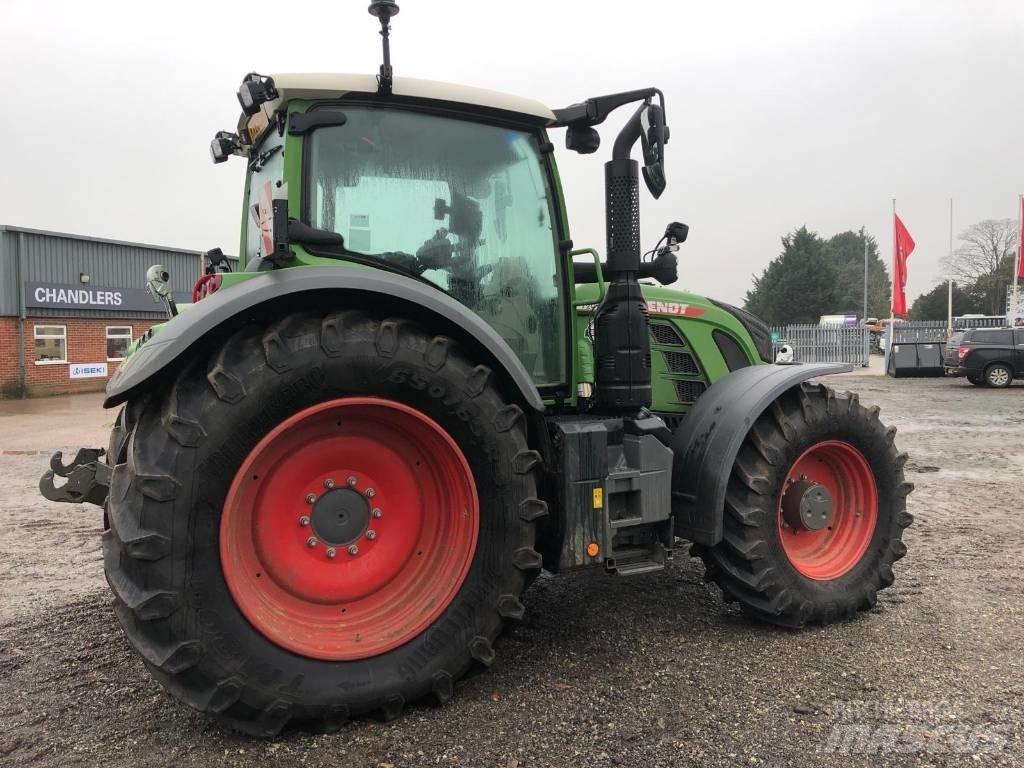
(1018, 346)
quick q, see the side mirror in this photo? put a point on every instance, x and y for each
(653, 137)
(158, 283)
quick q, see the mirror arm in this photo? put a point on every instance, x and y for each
(629, 134)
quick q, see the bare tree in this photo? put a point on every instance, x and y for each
(984, 249)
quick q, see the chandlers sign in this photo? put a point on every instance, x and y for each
(60, 296)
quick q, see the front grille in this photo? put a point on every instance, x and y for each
(681, 362)
(666, 334)
(689, 391)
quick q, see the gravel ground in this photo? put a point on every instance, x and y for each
(648, 671)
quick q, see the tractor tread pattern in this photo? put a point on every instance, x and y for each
(143, 549)
(747, 565)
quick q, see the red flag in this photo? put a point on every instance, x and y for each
(903, 247)
(1020, 241)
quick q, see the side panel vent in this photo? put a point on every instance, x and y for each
(681, 362)
(689, 391)
(664, 333)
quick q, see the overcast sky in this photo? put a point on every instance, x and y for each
(782, 113)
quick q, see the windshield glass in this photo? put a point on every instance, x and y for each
(464, 204)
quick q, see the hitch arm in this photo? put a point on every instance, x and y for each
(88, 478)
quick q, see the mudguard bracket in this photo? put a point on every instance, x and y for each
(708, 440)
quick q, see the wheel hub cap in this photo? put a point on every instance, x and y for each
(807, 506)
(340, 517)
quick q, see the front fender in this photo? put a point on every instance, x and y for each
(308, 285)
(708, 440)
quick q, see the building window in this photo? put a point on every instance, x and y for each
(118, 339)
(51, 344)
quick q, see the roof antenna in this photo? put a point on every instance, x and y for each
(384, 10)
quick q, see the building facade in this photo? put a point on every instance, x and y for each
(70, 305)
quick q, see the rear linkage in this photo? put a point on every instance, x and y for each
(88, 478)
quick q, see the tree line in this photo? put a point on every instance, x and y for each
(815, 276)
(981, 268)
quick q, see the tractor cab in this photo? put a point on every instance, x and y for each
(453, 186)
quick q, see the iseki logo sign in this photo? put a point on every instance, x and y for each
(88, 371)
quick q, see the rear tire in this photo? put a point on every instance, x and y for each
(829, 574)
(998, 375)
(163, 552)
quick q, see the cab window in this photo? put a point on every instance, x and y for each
(466, 205)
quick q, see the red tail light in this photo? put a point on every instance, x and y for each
(962, 353)
(206, 286)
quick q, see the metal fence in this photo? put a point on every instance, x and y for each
(852, 344)
(931, 331)
(824, 343)
(934, 331)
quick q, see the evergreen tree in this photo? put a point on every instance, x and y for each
(846, 252)
(934, 305)
(799, 285)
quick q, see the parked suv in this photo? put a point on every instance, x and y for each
(991, 357)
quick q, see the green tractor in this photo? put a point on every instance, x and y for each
(336, 471)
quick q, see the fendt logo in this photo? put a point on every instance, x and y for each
(671, 308)
(674, 309)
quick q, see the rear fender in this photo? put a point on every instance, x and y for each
(317, 287)
(708, 440)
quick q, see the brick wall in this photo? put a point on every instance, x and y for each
(86, 343)
(9, 384)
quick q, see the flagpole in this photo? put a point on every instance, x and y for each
(949, 323)
(865, 315)
(892, 313)
(1020, 247)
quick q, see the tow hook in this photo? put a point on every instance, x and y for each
(88, 478)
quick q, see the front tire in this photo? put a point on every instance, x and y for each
(827, 450)
(207, 550)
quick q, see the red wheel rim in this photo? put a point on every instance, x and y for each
(832, 551)
(323, 480)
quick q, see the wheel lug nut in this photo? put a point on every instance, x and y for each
(353, 549)
(371, 534)
(311, 541)
(310, 498)
(331, 552)
(378, 513)
(369, 493)
(328, 483)
(351, 481)
(304, 521)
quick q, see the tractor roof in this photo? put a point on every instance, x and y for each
(318, 85)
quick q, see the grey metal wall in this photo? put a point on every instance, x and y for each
(56, 257)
